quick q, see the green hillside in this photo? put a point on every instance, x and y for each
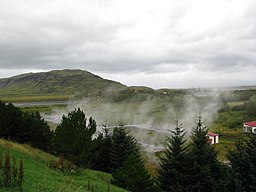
(57, 84)
(76, 84)
(39, 177)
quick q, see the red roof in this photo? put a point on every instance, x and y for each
(212, 134)
(251, 124)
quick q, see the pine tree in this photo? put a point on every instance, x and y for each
(73, 137)
(122, 145)
(10, 120)
(243, 164)
(133, 176)
(35, 131)
(102, 162)
(172, 174)
(205, 173)
(24, 127)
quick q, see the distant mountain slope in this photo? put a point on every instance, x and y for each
(76, 84)
(58, 82)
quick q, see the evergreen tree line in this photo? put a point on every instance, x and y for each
(76, 140)
(117, 152)
(24, 127)
(185, 166)
(195, 167)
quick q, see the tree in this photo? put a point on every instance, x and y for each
(24, 127)
(133, 176)
(251, 108)
(205, 173)
(174, 163)
(10, 120)
(104, 145)
(122, 145)
(243, 164)
(35, 131)
(73, 137)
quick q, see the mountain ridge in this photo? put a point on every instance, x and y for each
(78, 84)
(65, 82)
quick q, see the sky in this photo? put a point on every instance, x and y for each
(155, 43)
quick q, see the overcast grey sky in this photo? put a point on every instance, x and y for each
(160, 43)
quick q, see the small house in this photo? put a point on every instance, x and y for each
(213, 137)
(250, 127)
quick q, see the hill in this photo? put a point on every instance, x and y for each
(62, 84)
(39, 177)
(75, 84)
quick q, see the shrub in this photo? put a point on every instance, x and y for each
(10, 177)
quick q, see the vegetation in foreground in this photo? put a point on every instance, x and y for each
(194, 167)
(40, 176)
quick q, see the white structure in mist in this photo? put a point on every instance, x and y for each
(250, 127)
(213, 137)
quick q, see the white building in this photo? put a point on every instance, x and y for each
(250, 127)
(213, 137)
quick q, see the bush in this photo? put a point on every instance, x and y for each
(62, 165)
(10, 177)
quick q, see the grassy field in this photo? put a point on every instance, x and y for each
(39, 177)
(31, 98)
(228, 136)
(228, 139)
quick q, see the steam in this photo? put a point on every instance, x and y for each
(151, 120)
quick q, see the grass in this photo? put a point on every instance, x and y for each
(235, 103)
(228, 139)
(39, 177)
(32, 98)
(45, 109)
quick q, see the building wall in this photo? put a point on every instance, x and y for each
(214, 138)
(254, 130)
(217, 139)
(249, 129)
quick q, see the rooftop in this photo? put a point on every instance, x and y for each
(212, 134)
(251, 123)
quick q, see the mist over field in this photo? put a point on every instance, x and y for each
(149, 120)
(149, 112)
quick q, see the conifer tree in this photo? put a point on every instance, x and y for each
(205, 173)
(24, 127)
(174, 163)
(73, 137)
(133, 176)
(102, 162)
(243, 164)
(35, 131)
(122, 145)
(10, 120)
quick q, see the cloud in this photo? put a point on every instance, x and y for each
(183, 39)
